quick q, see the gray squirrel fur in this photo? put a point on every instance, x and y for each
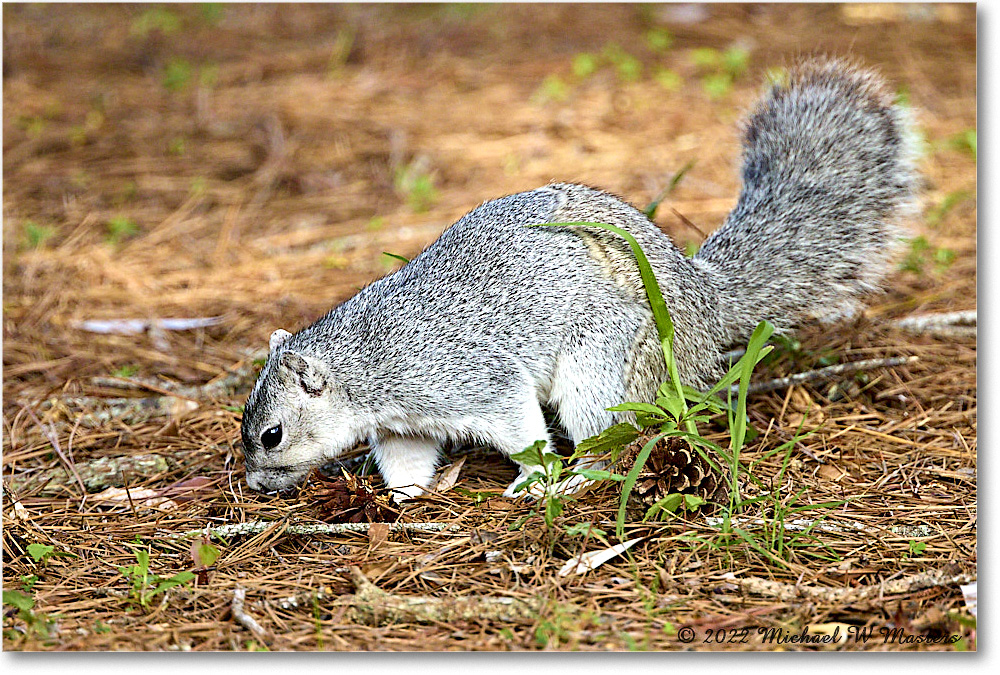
(494, 320)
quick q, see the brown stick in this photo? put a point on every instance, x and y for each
(829, 371)
(370, 605)
(54, 441)
(846, 596)
(244, 619)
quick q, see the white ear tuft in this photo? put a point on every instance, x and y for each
(278, 338)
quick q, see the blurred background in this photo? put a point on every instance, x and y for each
(255, 161)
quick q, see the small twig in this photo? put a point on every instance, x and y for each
(137, 326)
(686, 221)
(370, 605)
(802, 524)
(95, 474)
(257, 526)
(846, 596)
(244, 619)
(829, 371)
(225, 385)
(54, 441)
(125, 409)
(945, 324)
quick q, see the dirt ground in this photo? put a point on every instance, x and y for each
(253, 163)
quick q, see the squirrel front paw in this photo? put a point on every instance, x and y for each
(537, 490)
(533, 491)
(402, 494)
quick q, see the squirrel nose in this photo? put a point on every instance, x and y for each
(254, 482)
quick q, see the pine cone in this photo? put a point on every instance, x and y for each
(349, 499)
(674, 467)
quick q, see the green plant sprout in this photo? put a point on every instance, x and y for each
(143, 584)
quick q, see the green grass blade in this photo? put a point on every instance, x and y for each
(631, 478)
(661, 315)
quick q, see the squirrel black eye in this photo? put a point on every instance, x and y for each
(270, 438)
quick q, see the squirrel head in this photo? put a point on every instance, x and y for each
(297, 417)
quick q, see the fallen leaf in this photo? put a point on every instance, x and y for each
(187, 489)
(146, 497)
(831, 473)
(377, 533)
(449, 476)
(594, 559)
(970, 594)
(21, 513)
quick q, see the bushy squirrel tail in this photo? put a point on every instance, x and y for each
(827, 176)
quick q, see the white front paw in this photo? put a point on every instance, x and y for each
(512, 492)
(401, 494)
(537, 490)
(534, 491)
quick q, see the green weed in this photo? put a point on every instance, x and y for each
(341, 50)
(177, 74)
(553, 88)
(966, 141)
(628, 67)
(720, 69)
(37, 624)
(41, 553)
(552, 469)
(950, 201)
(208, 75)
(32, 125)
(206, 554)
(176, 146)
(120, 228)
(396, 257)
(670, 414)
(675, 180)
(922, 254)
(144, 585)
(417, 185)
(199, 186)
(562, 625)
(668, 79)
(156, 19)
(659, 39)
(585, 65)
(211, 13)
(36, 235)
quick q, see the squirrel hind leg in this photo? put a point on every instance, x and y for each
(511, 437)
(585, 384)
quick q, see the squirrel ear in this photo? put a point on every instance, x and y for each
(307, 371)
(277, 338)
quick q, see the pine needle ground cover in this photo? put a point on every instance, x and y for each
(244, 168)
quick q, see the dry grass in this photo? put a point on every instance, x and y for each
(263, 191)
